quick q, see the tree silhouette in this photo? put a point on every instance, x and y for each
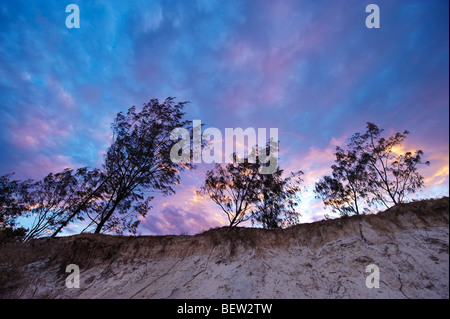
(243, 192)
(233, 188)
(113, 197)
(49, 200)
(277, 200)
(88, 191)
(49, 203)
(372, 170)
(137, 162)
(12, 203)
(392, 175)
(347, 186)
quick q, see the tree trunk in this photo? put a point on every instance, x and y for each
(108, 215)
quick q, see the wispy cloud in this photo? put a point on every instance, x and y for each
(310, 68)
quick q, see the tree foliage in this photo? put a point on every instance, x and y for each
(137, 162)
(49, 200)
(111, 198)
(243, 193)
(371, 171)
(392, 175)
(233, 188)
(12, 204)
(347, 187)
(278, 199)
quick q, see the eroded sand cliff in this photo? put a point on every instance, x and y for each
(326, 259)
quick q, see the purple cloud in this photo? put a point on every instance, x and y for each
(310, 68)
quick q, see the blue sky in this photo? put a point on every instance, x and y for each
(312, 69)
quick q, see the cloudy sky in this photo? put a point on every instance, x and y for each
(312, 69)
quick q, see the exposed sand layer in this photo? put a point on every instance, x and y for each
(326, 259)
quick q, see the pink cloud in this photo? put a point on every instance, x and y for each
(184, 212)
(42, 165)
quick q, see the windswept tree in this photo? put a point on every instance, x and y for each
(234, 188)
(392, 175)
(12, 203)
(88, 192)
(345, 191)
(138, 162)
(113, 197)
(372, 170)
(49, 200)
(244, 193)
(47, 203)
(277, 200)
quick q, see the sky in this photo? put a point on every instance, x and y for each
(312, 69)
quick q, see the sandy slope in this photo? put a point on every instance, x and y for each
(326, 259)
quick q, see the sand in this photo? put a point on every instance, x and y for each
(327, 259)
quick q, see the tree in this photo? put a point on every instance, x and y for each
(277, 200)
(113, 197)
(243, 192)
(347, 185)
(392, 175)
(137, 162)
(371, 171)
(50, 200)
(47, 202)
(88, 193)
(12, 204)
(234, 188)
